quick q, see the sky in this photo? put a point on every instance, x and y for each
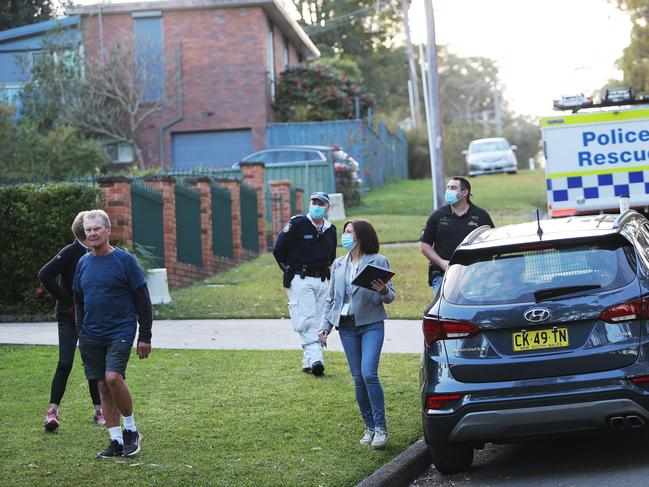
(544, 48)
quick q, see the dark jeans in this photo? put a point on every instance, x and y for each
(362, 346)
(67, 346)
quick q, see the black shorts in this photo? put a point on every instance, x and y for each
(101, 355)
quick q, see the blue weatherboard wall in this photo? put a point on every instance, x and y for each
(19, 46)
(382, 155)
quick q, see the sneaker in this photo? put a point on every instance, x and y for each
(132, 441)
(307, 370)
(317, 368)
(367, 437)
(99, 417)
(380, 438)
(51, 419)
(114, 450)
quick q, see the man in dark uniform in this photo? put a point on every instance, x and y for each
(304, 250)
(448, 226)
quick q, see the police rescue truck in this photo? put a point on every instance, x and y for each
(594, 158)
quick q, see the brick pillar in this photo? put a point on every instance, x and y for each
(167, 185)
(116, 201)
(202, 185)
(280, 191)
(299, 200)
(253, 176)
(232, 185)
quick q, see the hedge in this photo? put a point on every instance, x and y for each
(35, 224)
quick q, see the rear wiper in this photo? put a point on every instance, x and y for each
(543, 294)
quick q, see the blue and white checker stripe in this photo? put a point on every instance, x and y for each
(600, 190)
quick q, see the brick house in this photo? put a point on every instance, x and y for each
(217, 59)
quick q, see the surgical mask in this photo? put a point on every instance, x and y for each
(317, 211)
(451, 197)
(347, 241)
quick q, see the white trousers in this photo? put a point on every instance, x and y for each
(306, 299)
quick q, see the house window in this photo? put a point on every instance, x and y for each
(149, 54)
(120, 153)
(271, 62)
(285, 55)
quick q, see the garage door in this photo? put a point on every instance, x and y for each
(220, 148)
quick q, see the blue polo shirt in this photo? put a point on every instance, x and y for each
(107, 282)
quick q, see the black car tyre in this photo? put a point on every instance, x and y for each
(451, 457)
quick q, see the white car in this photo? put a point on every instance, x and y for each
(489, 156)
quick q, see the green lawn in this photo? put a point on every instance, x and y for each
(254, 289)
(227, 418)
(399, 211)
(400, 208)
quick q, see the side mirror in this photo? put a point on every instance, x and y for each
(514, 147)
(465, 152)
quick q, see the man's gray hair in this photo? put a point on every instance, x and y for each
(101, 214)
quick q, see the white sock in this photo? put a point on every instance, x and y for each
(116, 434)
(129, 423)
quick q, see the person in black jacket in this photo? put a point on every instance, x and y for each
(57, 276)
(304, 250)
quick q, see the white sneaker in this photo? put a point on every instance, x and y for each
(367, 437)
(380, 438)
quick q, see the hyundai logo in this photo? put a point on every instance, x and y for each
(537, 315)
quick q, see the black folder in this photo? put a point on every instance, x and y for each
(370, 273)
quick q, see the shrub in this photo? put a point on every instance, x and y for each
(59, 153)
(34, 225)
(316, 94)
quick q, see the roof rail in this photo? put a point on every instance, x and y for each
(623, 217)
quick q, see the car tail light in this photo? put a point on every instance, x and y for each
(443, 329)
(636, 309)
(643, 379)
(437, 401)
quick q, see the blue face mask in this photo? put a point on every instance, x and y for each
(347, 241)
(450, 197)
(317, 211)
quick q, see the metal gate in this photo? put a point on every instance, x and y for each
(221, 222)
(249, 220)
(188, 226)
(146, 211)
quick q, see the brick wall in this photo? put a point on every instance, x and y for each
(116, 201)
(178, 273)
(281, 196)
(224, 88)
(253, 176)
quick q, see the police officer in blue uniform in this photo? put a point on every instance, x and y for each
(304, 250)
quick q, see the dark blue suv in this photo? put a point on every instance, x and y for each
(539, 329)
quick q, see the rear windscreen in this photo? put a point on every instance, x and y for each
(515, 276)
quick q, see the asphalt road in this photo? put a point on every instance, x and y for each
(598, 460)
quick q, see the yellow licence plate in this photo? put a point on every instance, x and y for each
(539, 339)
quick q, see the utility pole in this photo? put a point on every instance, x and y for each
(498, 112)
(429, 127)
(434, 119)
(405, 5)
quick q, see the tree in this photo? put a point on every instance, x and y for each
(16, 13)
(466, 86)
(350, 27)
(110, 102)
(634, 62)
(319, 93)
